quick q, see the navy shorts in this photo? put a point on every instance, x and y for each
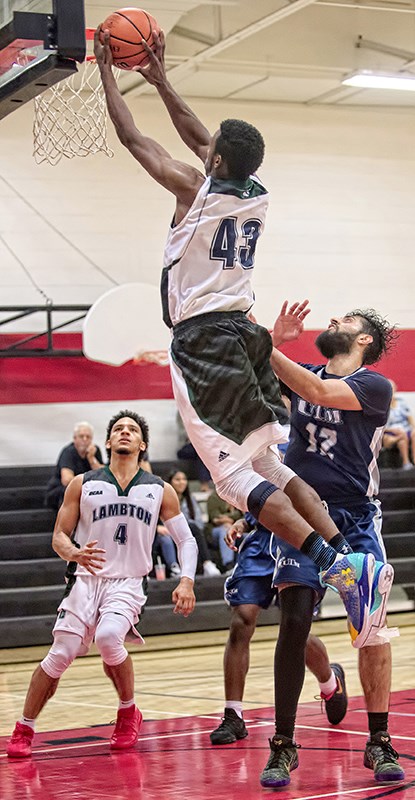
(253, 590)
(251, 579)
(361, 526)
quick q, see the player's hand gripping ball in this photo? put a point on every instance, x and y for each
(127, 28)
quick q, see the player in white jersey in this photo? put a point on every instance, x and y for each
(105, 530)
(227, 394)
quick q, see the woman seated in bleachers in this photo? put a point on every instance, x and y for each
(192, 511)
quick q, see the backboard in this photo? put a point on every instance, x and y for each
(40, 43)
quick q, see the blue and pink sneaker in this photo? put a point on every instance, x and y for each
(364, 586)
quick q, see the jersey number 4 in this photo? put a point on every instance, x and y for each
(224, 243)
(120, 535)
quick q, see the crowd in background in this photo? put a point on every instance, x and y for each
(209, 516)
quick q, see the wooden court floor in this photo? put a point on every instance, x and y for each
(179, 689)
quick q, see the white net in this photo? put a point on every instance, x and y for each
(71, 118)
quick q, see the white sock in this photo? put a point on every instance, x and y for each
(237, 706)
(29, 722)
(126, 703)
(330, 686)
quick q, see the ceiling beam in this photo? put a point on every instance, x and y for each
(378, 47)
(399, 9)
(195, 36)
(178, 73)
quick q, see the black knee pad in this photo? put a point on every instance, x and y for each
(259, 496)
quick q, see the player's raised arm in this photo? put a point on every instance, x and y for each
(181, 179)
(331, 392)
(194, 134)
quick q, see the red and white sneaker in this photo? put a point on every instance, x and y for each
(20, 744)
(126, 728)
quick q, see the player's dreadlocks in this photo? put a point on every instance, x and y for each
(384, 334)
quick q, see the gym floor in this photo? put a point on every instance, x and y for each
(179, 689)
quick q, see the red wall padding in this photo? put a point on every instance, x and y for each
(60, 380)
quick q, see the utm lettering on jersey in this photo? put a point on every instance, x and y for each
(320, 413)
(122, 510)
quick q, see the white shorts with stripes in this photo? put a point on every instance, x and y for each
(222, 455)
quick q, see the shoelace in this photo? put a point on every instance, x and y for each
(226, 723)
(324, 700)
(19, 735)
(322, 706)
(386, 750)
(125, 723)
(280, 757)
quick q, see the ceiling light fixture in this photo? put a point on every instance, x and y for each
(366, 79)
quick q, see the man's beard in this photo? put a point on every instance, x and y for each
(334, 343)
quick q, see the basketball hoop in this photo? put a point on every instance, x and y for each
(71, 116)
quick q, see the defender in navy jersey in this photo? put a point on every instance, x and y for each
(338, 413)
(360, 415)
(105, 530)
(227, 395)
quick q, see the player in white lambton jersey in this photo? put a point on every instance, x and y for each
(227, 395)
(209, 255)
(105, 530)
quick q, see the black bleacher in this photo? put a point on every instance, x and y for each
(31, 574)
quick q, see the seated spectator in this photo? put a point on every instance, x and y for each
(191, 510)
(145, 463)
(167, 547)
(221, 518)
(187, 452)
(400, 429)
(76, 458)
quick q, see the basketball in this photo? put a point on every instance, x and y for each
(127, 27)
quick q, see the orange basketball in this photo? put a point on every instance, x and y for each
(127, 28)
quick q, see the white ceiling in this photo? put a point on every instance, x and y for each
(279, 52)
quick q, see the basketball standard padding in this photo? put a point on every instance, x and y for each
(127, 27)
(123, 322)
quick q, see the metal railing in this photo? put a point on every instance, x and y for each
(18, 348)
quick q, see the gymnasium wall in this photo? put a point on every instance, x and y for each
(340, 231)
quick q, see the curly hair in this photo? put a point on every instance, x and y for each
(384, 334)
(241, 146)
(136, 418)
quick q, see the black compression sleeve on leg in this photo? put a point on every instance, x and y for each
(258, 496)
(296, 605)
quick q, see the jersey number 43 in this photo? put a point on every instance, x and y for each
(225, 247)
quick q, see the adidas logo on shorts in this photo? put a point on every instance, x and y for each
(223, 455)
